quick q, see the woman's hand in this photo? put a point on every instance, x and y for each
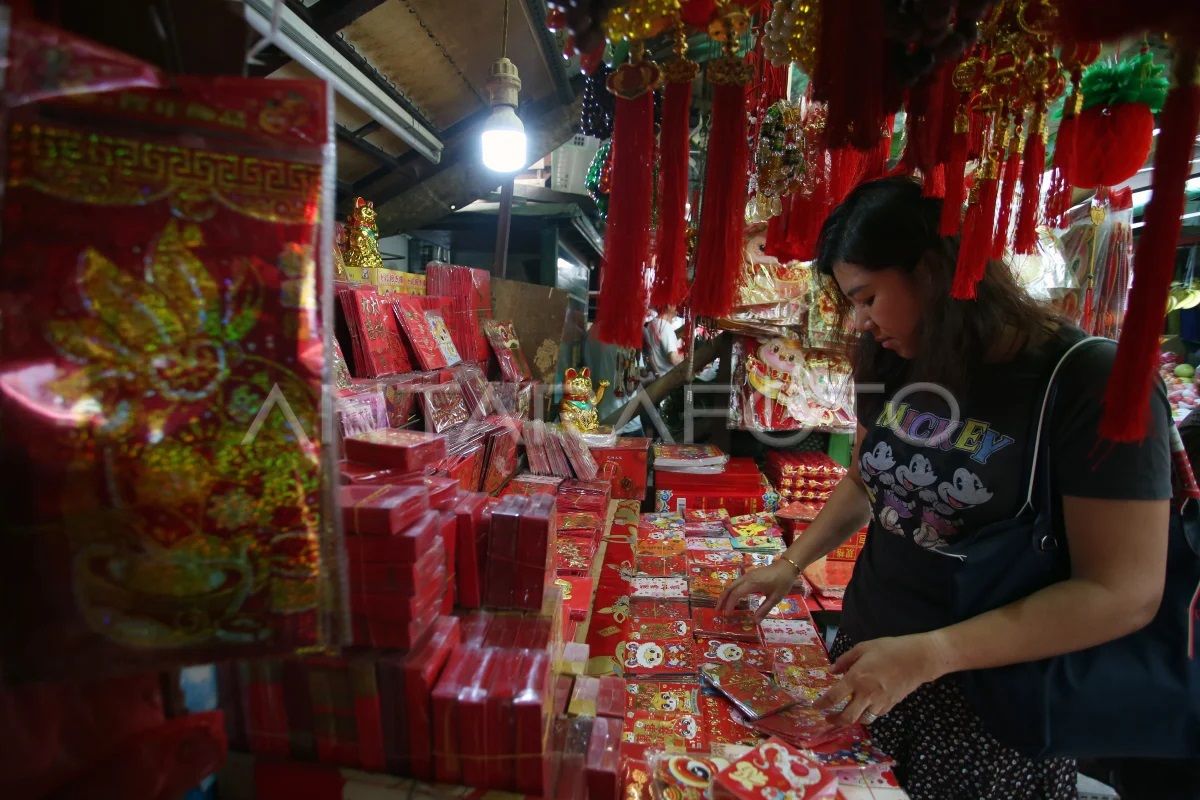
(774, 581)
(878, 674)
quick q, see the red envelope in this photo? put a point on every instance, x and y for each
(775, 769)
(675, 733)
(751, 691)
(724, 722)
(660, 697)
(738, 625)
(801, 726)
(647, 657)
(725, 651)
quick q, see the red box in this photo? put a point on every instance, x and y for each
(500, 587)
(535, 539)
(442, 490)
(449, 523)
(266, 707)
(334, 723)
(400, 606)
(380, 510)
(352, 472)
(498, 760)
(604, 758)
(396, 449)
(471, 549)
(531, 703)
(367, 713)
(471, 715)
(410, 718)
(411, 578)
(370, 632)
(625, 465)
(444, 704)
(406, 547)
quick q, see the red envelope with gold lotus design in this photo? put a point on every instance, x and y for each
(752, 692)
(778, 770)
(160, 364)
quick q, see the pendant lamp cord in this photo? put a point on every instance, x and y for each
(504, 41)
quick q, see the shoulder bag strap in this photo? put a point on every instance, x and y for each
(1041, 450)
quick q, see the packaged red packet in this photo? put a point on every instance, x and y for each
(443, 407)
(442, 491)
(470, 718)
(662, 697)
(447, 768)
(410, 579)
(684, 777)
(380, 510)
(500, 585)
(662, 656)
(789, 631)
(471, 548)
(660, 588)
(805, 683)
(577, 596)
(406, 547)
(659, 629)
(675, 733)
(405, 685)
(497, 762)
(726, 725)
(408, 451)
(724, 559)
(530, 708)
(775, 769)
(661, 566)
(747, 688)
(535, 541)
(411, 316)
(705, 544)
(610, 696)
(725, 651)
(604, 758)
(791, 607)
(737, 625)
(574, 555)
(806, 655)
(801, 726)
(852, 753)
(502, 336)
(651, 607)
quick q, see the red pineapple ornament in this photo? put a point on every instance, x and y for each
(1113, 132)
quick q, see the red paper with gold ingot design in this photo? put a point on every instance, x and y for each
(159, 292)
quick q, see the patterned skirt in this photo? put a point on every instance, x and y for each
(942, 751)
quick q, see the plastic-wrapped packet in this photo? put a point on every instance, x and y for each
(168, 355)
(683, 776)
(361, 412)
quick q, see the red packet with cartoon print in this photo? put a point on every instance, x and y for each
(707, 583)
(411, 316)
(675, 733)
(758, 544)
(800, 655)
(725, 724)
(747, 688)
(774, 769)
(708, 544)
(650, 657)
(663, 698)
(752, 525)
(727, 559)
(738, 625)
(791, 607)
(683, 777)
(724, 651)
(757, 560)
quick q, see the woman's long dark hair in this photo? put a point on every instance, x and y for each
(887, 224)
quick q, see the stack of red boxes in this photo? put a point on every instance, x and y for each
(739, 489)
(520, 551)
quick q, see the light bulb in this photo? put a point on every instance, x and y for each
(503, 140)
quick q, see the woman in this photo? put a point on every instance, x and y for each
(946, 416)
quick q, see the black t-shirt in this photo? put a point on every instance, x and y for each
(932, 480)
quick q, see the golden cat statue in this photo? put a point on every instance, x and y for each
(578, 406)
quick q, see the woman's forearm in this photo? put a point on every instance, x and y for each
(1071, 615)
(846, 511)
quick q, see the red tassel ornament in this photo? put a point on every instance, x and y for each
(670, 278)
(726, 180)
(955, 167)
(1127, 397)
(1025, 238)
(1008, 191)
(935, 182)
(622, 304)
(975, 246)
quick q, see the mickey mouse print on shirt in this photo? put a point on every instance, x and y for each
(928, 477)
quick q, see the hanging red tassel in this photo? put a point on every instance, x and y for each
(975, 246)
(622, 303)
(726, 179)
(670, 279)
(1008, 190)
(849, 76)
(955, 167)
(1025, 238)
(1127, 397)
(935, 182)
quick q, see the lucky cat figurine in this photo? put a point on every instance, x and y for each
(578, 407)
(362, 237)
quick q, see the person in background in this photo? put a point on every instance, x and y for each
(661, 344)
(621, 367)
